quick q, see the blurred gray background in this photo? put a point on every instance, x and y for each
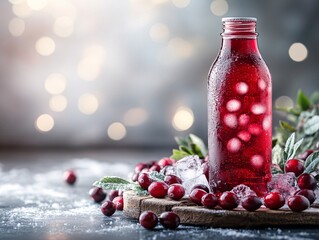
(99, 73)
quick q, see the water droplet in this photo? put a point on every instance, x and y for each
(258, 108)
(257, 161)
(262, 84)
(241, 88)
(244, 136)
(233, 145)
(254, 129)
(230, 120)
(233, 105)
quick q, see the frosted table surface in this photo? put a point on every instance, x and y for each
(35, 203)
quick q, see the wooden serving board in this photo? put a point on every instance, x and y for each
(190, 214)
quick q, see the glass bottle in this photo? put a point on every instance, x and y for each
(239, 111)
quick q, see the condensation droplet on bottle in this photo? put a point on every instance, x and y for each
(257, 161)
(243, 119)
(244, 136)
(230, 120)
(267, 123)
(233, 145)
(254, 129)
(258, 108)
(262, 84)
(241, 88)
(233, 105)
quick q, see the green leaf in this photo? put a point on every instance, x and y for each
(182, 141)
(156, 176)
(289, 146)
(312, 125)
(199, 142)
(287, 126)
(303, 101)
(295, 148)
(138, 190)
(312, 166)
(278, 156)
(177, 154)
(185, 149)
(274, 142)
(315, 97)
(113, 183)
(197, 151)
(311, 158)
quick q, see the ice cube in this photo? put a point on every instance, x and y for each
(233, 145)
(243, 191)
(257, 161)
(241, 88)
(168, 170)
(258, 108)
(230, 120)
(190, 183)
(233, 105)
(244, 136)
(283, 183)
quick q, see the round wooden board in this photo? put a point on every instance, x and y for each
(191, 214)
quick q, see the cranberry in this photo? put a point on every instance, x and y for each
(171, 179)
(295, 166)
(118, 203)
(97, 194)
(148, 220)
(155, 167)
(169, 220)
(120, 192)
(308, 194)
(139, 167)
(166, 162)
(158, 189)
(307, 181)
(108, 208)
(205, 167)
(135, 176)
(113, 194)
(305, 154)
(196, 195)
(298, 203)
(69, 177)
(144, 180)
(274, 200)
(251, 203)
(200, 186)
(228, 200)
(209, 200)
(176, 191)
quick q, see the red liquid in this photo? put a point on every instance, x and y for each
(239, 118)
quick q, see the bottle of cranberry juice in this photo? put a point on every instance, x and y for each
(239, 111)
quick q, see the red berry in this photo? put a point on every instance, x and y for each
(176, 191)
(108, 208)
(144, 180)
(274, 200)
(307, 181)
(158, 189)
(308, 194)
(171, 179)
(169, 220)
(166, 162)
(205, 167)
(305, 154)
(139, 167)
(113, 194)
(69, 177)
(200, 186)
(155, 167)
(209, 200)
(97, 194)
(118, 203)
(298, 203)
(251, 203)
(228, 200)
(135, 176)
(120, 192)
(295, 166)
(196, 196)
(148, 220)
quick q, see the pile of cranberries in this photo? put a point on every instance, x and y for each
(169, 220)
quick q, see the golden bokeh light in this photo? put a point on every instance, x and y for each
(21, 9)
(181, 47)
(219, 7)
(88, 104)
(181, 3)
(116, 131)
(44, 123)
(135, 117)
(16, 27)
(45, 46)
(298, 52)
(55, 83)
(58, 103)
(37, 4)
(159, 32)
(284, 102)
(63, 26)
(183, 119)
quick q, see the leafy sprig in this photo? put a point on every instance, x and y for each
(191, 145)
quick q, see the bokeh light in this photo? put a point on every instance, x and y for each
(181, 47)
(183, 119)
(219, 7)
(298, 52)
(181, 3)
(159, 32)
(55, 83)
(58, 103)
(284, 102)
(37, 4)
(16, 27)
(135, 117)
(116, 131)
(44, 123)
(88, 104)
(21, 9)
(63, 26)
(45, 46)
